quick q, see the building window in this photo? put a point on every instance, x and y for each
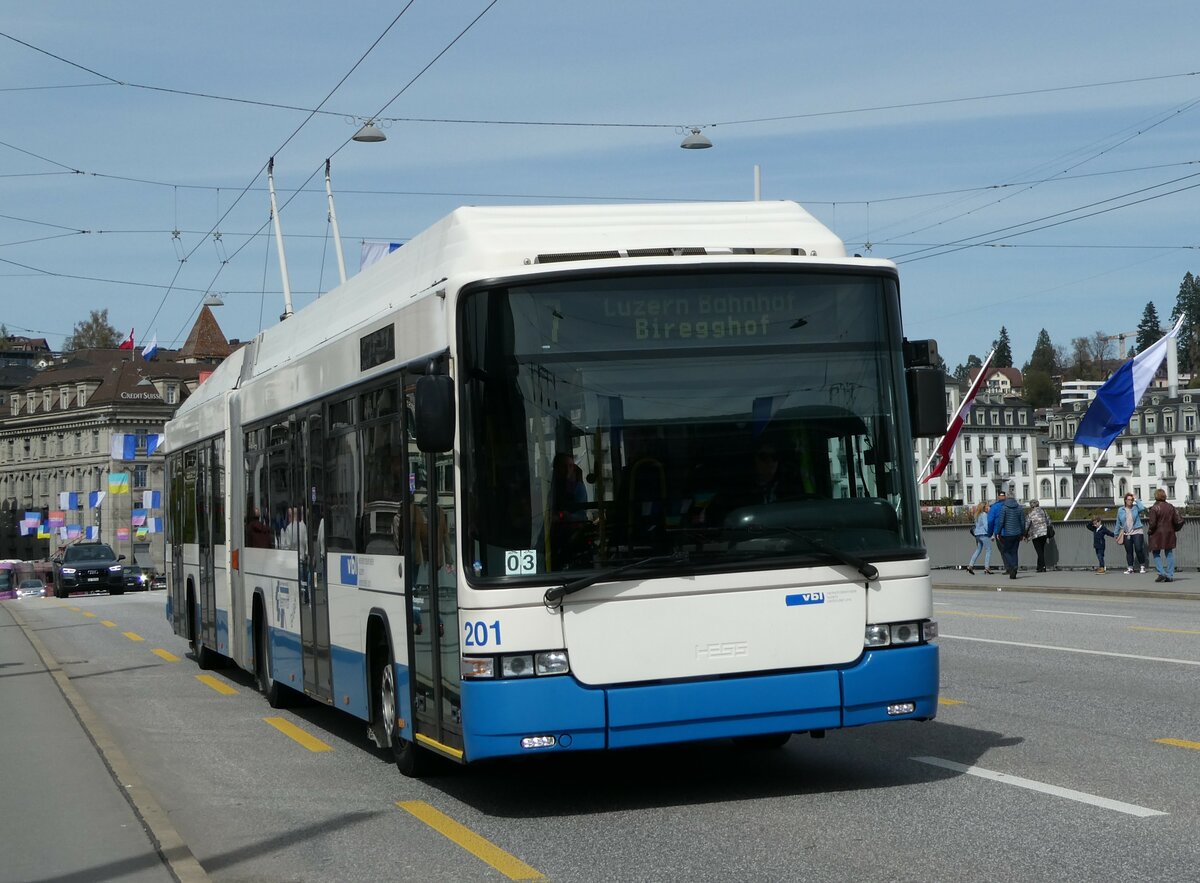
(1151, 468)
(64, 398)
(141, 441)
(139, 476)
(1168, 422)
(1151, 423)
(1025, 490)
(78, 442)
(1024, 467)
(1119, 447)
(1189, 422)
(95, 440)
(1024, 443)
(967, 443)
(1022, 418)
(47, 399)
(995, 418)
(1045, 487)
(970, 464)
(82, 396)
(1062, 489)
(970, 494)
(1008, 418)
(172, 394)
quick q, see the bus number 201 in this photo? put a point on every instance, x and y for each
(479, 633)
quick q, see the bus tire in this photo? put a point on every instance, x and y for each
(412, 760)
(203, 656)
(767, 741)
(275, 692)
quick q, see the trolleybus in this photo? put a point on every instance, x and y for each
(571, 478)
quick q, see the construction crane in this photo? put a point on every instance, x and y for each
(1120, 338)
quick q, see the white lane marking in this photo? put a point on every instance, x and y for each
(1080, 613)
(1073, 650)
(1079, 796)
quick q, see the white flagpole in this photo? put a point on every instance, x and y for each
(1078, 496)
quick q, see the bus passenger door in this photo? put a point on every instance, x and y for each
(314, 586)
(433, 590)
(206, 591)
(179, 467)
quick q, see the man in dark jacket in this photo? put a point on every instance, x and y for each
(1010, 526)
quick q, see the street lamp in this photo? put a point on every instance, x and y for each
(369, 133)
(695, 141)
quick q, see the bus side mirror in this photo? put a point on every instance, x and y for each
(926, 401)
(434, 401)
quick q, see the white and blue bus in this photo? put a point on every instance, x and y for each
(571, 478)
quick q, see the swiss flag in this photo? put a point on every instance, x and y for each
(127, 344)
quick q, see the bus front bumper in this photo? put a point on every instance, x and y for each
(498, 715)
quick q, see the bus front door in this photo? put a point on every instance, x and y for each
(314, 586)
(206, 591)
(437, 704)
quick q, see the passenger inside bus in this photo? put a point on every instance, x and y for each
(568, 516)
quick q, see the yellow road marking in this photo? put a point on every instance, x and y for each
(484, 850)
(165, 654)
(1179, 743)
(133, 636)
(942, 701)
(312, 743)
(977, 615)
(76, 609)
(220, 686)
(91, 615)
(108, 622)
(1146, 628)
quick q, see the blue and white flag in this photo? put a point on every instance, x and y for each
(154, 525)
(95, 498)
(374, 252)
(153, 442)
(1109, 413)
(151, 499)
(92, 533)
(68, 500)
(124, 446)
(151, 349)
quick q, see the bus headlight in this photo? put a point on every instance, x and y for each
(553, 662)
(877, 636)
(899, 634)
(516, 666)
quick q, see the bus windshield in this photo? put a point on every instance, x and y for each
(715, 419)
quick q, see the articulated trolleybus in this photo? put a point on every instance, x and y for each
(571, 478)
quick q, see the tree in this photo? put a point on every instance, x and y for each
(963, 372)
(93, 333)
(1003, 357)
(1045, 357)
(1187, 304)
(1081, 358)
(1099, 350)
(1041, 371)
(4, 341)
(1149, 329)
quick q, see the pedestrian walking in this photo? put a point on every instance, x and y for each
(994, 522)
(1164, 521)
(1099, 532)
(1038, 530)
(1011, 530)
(1131, 532)
(983, 541)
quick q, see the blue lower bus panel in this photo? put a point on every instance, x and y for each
(499, 714)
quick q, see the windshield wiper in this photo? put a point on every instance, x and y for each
(555, 594)
(866, 568)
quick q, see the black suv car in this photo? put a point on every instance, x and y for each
(86, 567)
(136, 579)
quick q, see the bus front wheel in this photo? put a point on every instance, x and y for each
(412, 760)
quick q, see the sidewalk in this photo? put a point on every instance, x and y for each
(67, 817)
(1115, 582)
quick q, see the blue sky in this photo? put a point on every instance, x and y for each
(155, 162)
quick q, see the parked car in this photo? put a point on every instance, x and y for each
(158, 581)
(136, 579)
(31, 588)
(86, 567)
